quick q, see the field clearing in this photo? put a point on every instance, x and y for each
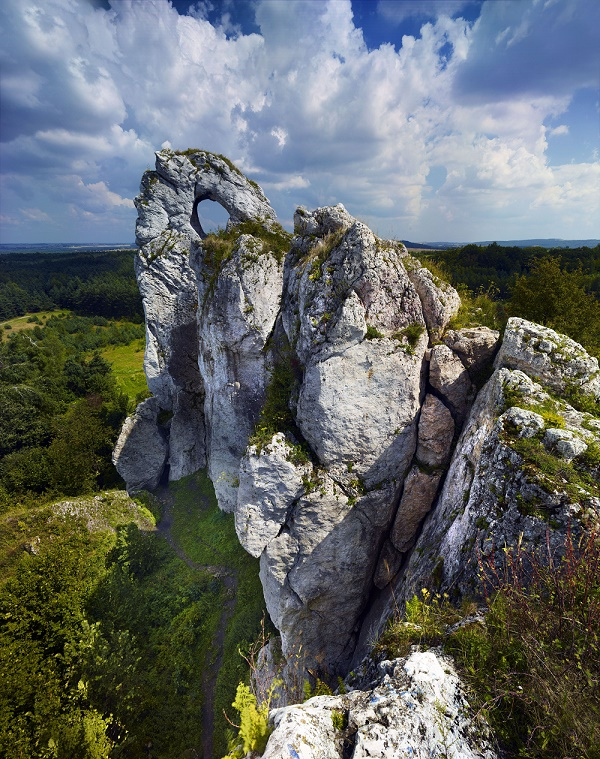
(127, 362)
(19, 323)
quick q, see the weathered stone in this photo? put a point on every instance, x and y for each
(269, 483)
(415, 707)
(236, 318)
(388, 565)
(169, 196)
(449, 377)
(360, 408)
(475, 346)
(316, 573)
(141, 450)
(526, 423)
(439, 299)
(345, 311)
(564, 443)
(168, 288)
(436, 431)
(321, 221)
(553, 359)
(418, 496)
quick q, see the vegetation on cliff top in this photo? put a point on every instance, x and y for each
(533, 665)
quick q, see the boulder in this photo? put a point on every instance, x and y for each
(416, 706)
(436, 431)
(141, 450)
(554, 360)
(269, 484)
(448, 376)
(498, 492)
(347, 303)
(390, 561)
(420, 489)
(439, 299)
(475, 346)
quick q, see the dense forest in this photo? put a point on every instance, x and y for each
(106, 632)
(91, 283)
(497, 267)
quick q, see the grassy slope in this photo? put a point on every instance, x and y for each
(127, 364)
(170, 610)
(207, 535)
(19, 323)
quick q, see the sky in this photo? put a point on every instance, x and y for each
(430, 120)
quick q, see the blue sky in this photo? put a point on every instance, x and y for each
(429, 119)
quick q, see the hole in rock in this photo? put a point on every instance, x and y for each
(208, 216)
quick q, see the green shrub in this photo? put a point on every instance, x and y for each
(373, 333)
(254, 728)
(479, 309)
(553, 296)
(535, 667)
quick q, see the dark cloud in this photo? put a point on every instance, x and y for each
(531, 49)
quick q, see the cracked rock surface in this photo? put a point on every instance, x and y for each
(413, 707)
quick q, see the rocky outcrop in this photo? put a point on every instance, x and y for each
(415, 706)
(525, 469)
(190, 373)
(317, 380)
(554, 360)
(357, 330)
(141, 451)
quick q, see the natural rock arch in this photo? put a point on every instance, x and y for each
(195, 219)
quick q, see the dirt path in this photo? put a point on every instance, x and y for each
(214, 658)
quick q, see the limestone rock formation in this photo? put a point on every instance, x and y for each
(337, 416)
(497, 492)
(415, 706)
(189, 370)
(141, 451)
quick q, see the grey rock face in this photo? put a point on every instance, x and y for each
(475, 346)
(317, 572)
(555, 360)
(449, 377)
(436, 430)
(357, 328)
(269, 483)
(419, 493)
(141, 450)
(440, 300)
(417, 702)
(236, 316)
(347, 301)
(495, 494)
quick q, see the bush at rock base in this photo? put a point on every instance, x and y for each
(533, 665)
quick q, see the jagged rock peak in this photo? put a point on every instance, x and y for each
(170, 195)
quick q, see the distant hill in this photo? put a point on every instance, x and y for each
(551, 242)
(62, 247)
